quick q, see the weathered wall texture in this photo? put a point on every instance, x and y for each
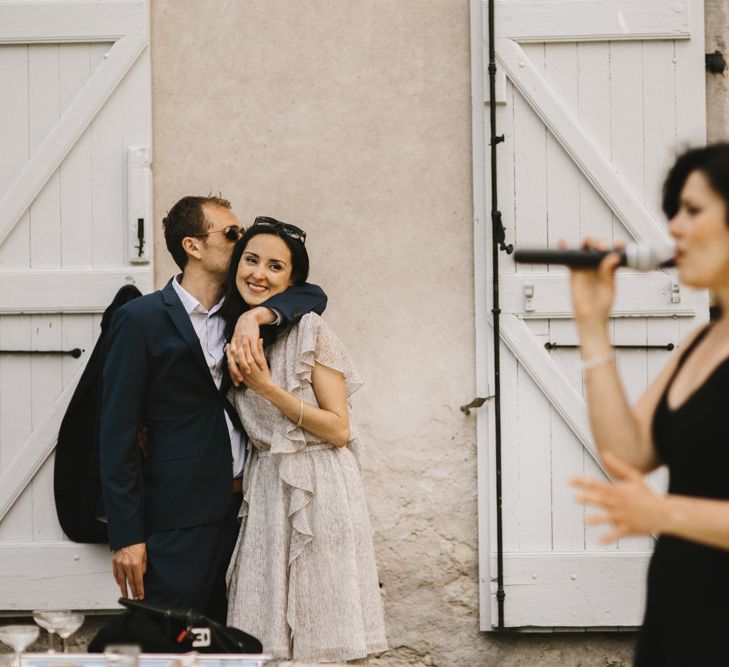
(717, 85)
(352, 119)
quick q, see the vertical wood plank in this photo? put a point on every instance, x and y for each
(46, 385)
(107, 173)
(15, 251)
(593, 73)
(533, 411)
(626, 92)
(568, 454)
(530, 165)
(43, 112)
(535, 512)
(16, 424)
(509, 454)
(659, 92)
(76, 231)
(564, 185)
(563, 192)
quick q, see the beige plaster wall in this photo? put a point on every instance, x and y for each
(352, 120)
(717, 85)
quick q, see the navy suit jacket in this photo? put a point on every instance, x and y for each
(156, 374)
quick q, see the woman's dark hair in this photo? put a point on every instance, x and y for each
(712, 161)
(233, 304)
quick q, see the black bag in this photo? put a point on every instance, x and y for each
(161, 630)
(76, 483)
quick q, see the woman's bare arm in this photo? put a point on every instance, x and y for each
(630, 507)
(616, 426)
(329, 421)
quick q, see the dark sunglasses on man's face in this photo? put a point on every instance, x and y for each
(290, 230)
(231, 232)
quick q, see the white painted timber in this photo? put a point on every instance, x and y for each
(601, 588)
(483, 426)
(18, 473)
(638, 295)
(586, 20)
(42, 576)
(37, 22)
(77, 82)
(599, 98)
(66, 291)
(604, 177)
(66, 132)
(549, 378)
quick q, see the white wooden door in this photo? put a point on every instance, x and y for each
(74, 181)
(595, 98)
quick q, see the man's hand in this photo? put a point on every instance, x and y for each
(130, 564)
(247, 328)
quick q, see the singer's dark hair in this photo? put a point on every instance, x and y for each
(712, 161)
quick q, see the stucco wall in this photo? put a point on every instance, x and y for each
(352, 120)
(717, 85)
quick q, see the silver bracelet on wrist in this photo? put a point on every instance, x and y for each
(597, 361)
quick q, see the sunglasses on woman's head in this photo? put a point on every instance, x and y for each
(292, 231)
(231, 232)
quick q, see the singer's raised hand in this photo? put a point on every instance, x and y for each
(593, 290)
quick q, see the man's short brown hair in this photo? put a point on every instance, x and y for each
(187, 218)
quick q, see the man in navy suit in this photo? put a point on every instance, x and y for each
(172, 517)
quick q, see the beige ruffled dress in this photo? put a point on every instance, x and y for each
(303, 577)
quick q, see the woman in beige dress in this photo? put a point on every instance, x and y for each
(303, 577)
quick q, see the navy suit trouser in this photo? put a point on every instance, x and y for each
(186, 566)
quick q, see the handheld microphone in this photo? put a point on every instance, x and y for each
(634, 256)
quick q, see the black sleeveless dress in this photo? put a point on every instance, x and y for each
(687, 608)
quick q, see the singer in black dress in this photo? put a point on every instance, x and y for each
(680, 421)
(687, 609)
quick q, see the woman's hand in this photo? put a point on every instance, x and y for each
(628, 505)
(593, 290)
(254, 371)
(247, 327)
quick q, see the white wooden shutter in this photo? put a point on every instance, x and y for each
(595, 99)
(76, 101)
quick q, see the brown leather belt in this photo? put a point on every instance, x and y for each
(238, 485)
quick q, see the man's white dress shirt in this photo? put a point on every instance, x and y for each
(209, 326)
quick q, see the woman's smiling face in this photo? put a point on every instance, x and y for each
(264, 269)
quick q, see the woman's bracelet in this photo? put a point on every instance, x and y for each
(301, 413)
(597, 361)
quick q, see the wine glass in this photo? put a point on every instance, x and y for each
(19, 637)
(67, 625)
(48, 620)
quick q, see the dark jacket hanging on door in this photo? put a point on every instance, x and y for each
(76, 484)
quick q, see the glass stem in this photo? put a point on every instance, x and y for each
(51, 649)
(63, 644)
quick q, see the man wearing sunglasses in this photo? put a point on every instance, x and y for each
(172, 518)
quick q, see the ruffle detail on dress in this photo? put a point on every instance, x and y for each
(296, 475)
(312, 342)
(317, 343)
